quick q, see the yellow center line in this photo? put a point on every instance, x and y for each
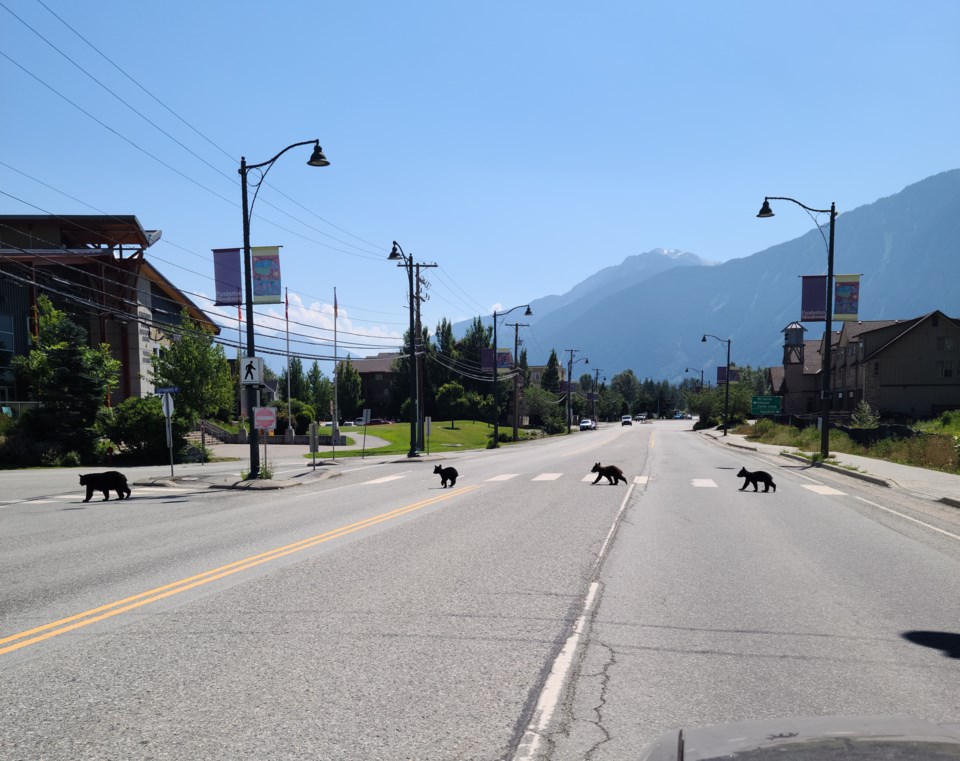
(117, 607)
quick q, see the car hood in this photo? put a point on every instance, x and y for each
(825, 738)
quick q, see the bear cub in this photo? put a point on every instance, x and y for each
(756, 477)
(447, 474)
(612, 473)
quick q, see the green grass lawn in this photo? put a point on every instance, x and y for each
(466, 434)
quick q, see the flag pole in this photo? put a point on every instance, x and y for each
(286, 312)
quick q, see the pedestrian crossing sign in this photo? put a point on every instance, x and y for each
(251, 371)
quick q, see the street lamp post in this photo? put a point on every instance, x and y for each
(316, 159)
(397, 253)
(695, 370)
(726, 391)
(825, 372)
(496, 382)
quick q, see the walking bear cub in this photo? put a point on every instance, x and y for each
(756, 477)
(612, 473)
(447, 474)
(107, 482)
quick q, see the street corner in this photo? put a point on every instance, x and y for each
(257, 484)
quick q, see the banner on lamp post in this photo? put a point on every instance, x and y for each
(226, 275)
(813, 298)
(847, 301)
(266, 274)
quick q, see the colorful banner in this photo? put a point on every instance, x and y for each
(847, 302)
(226, 276)
(504, 359)
(813, 298)
(266, 274)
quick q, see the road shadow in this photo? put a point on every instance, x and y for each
(948, 642)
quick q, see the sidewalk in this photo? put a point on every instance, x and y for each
(918, 482)
(277, 455)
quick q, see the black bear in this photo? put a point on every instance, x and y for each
(756, 477)
(611, 472)
(447, 474)
(107, 482)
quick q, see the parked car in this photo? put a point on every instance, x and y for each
(626, 420)
(587, 425)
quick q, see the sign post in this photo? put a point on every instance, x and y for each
(265, 419)
(366, 420)
(166, 400)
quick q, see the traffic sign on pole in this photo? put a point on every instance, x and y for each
(265, 418)
(167, 402)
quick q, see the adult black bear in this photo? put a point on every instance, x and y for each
(756, 477)
(447, 474)
(107, 482)
(612, 473)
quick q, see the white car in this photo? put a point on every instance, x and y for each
(626, 420)
(587, 425)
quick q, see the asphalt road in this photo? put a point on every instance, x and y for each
(523, 613)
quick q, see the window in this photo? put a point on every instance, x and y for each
(944, 343)
(943, 368)
(7, 345)
(876, 369)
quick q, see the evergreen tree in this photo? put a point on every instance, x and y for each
(349, 391)
(550, 380)
(69, 379)
(319, 391)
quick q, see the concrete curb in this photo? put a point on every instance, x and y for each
(836, 469)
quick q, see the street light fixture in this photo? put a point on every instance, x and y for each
(825, 372)
(316, 159)
(397, 254)
(496, 382)
(726, 393)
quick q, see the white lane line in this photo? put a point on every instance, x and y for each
(910, 518)
(553, 688)
(547, 477)
(704, 483)
(383, 480)
(641, 480)
(504, 477)
(822, 489)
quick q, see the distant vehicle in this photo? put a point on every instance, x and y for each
(678, 416)
(587, 425)
(358, 421)
(641, 417)
(626, 420)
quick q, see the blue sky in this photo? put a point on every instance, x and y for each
(521, 146)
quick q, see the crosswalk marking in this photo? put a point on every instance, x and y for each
(504, 477)
(640, 480)
(821, 489)
(589, 477)
(704, 483)
(547, 477)
(383, 480)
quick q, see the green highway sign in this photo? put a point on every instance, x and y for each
(765, 405)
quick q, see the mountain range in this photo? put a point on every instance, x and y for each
(649, 312)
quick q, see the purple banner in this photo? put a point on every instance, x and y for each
(226, 276)
(813, 298)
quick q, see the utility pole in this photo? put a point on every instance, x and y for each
(516, 377)
(419, 354)
(570, 386)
